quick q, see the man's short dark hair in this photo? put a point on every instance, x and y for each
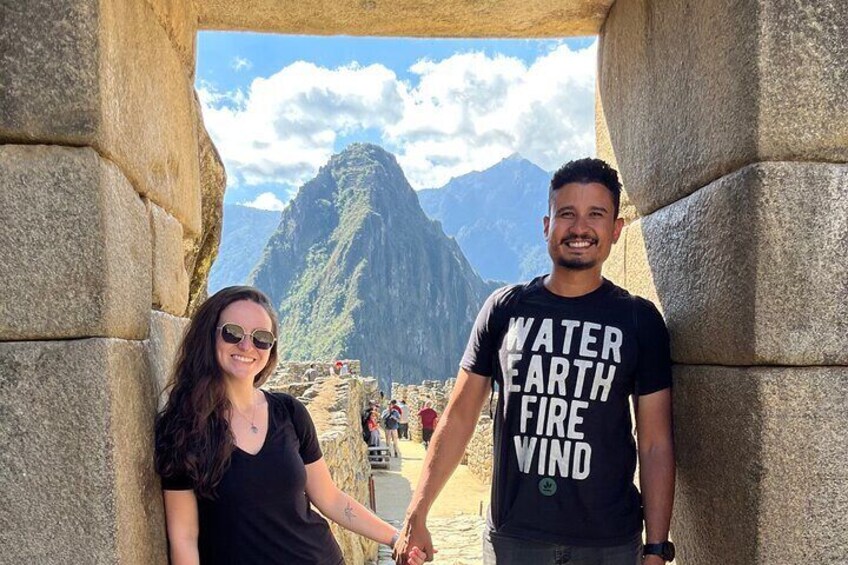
(585, 171)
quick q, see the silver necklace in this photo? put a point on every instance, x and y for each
(253, 427)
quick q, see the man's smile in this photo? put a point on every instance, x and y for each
(579, 243)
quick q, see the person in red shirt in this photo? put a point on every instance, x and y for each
(428, 418)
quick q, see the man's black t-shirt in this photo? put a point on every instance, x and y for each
(564, 451)
(260, 514)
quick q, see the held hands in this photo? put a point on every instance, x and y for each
(416, 557)
(414, 544)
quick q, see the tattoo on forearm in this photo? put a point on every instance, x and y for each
(349, 512)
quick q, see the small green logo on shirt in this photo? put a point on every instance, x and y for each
(547, 486)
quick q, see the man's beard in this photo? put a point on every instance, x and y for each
(575, 264)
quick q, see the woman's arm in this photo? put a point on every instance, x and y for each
(342, 508)
(183, 526)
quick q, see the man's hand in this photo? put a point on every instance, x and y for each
(653, 560)
(414, 534)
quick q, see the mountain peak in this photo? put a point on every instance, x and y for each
(364, 152)
(356, 267)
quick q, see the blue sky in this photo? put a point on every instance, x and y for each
(278, 106)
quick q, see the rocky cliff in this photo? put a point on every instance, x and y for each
(496, 217)
(357, 270)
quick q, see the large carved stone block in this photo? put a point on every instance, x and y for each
(75, 247)
(762, 465)
(166, 335)
(76, 454)
(692, 91)
(105, 75)
(170, 280)
(504, 18)
(179, 19)
(750, 270)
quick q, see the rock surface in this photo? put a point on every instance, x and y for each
(104, 75)
(74, 246)
(694, 91)
(76, 450)
(359, 271)
(748, 270)
(761, 464)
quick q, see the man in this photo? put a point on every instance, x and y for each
(403, 427)
(391, 421)
(567, 350)
(310, 374)
(428, 418)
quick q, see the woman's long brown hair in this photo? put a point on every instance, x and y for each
(193, 437)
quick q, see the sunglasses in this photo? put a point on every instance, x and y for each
(234, 333)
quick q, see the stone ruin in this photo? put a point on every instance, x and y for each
(727, 120)
(478, 454)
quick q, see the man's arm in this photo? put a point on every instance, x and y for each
(456, 426)
(656, 464)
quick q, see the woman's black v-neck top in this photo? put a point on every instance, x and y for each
(260, 515)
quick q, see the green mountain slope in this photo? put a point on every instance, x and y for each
(357, 270)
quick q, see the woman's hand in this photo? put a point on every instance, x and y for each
(416, 557)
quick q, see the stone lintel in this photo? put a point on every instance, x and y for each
(410, 18)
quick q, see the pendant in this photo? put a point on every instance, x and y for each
(254, 429)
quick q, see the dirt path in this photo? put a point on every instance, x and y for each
(455, 520)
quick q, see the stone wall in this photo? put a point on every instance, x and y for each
(728, 121)
(437, 392)
(478, 454)
(335, 404)
(294, 371)
(729, 125)
(100, 200)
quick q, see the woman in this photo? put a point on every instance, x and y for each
(373, 429)
(238, 464)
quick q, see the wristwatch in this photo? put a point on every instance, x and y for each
(664, 550)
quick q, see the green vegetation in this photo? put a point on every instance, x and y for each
(357, 270)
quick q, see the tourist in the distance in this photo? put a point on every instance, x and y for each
(374, 429)
(428, 418)
(240, 466)
(366, 418)
(310, 374)
(403, 425)
(391, 421)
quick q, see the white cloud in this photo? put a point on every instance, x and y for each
(470, 110)
(266, 201)
(240, 63)
(286, 126)
(462, 113)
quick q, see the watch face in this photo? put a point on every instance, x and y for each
(668, 551)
